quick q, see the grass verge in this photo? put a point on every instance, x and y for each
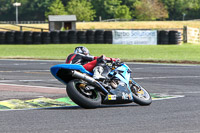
(138, 25)
(186, 53)
(114, 25)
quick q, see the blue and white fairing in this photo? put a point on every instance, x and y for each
(123, 73)
(121, 94)
(60, 67)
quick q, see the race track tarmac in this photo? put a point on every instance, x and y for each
(31, 79)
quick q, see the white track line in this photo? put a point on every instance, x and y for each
(31, 86)
(168, 77)
(28, 71)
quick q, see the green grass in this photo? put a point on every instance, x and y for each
(177, 53)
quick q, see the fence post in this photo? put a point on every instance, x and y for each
(21, 28)
(185, 34)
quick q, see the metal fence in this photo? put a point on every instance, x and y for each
(23, 22)
(22, 28)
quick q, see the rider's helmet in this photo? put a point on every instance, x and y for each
(81, 50)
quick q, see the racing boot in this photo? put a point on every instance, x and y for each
(98, 70)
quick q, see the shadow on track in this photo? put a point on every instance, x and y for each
(102, 106)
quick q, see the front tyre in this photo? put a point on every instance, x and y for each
(83, 94)
(140, 95)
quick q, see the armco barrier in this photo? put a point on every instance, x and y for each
(28, 37)
(90, 36)
(19, 37)
(74, 37)
(108, 37)
(169, 37)
(2, 37)
(63, 37)
(99, 36)
(55, 38)
(81, 37)
(10, 37)
(174, 37)
(163, 37)
(45, 37)
(37, 38)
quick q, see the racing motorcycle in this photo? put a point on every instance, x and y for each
(116, 88)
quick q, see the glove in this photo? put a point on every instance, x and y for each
(115, 59)
(101, 59)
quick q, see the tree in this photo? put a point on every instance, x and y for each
(177, 8)
(106, 8)
(82, 9)
(149, 10)
(129, 4)
(28, 11)
(56, 8)
(123, 12)
(111, 6)
(7, 10)
(34, 10)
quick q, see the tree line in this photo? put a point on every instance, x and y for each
(95, 10)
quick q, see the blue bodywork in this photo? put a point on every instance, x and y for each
(56, 68)
(124, 74)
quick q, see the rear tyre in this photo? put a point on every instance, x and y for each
(140, 95)
(83, 94)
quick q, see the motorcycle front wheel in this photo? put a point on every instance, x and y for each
(83, 94)
(141, 95)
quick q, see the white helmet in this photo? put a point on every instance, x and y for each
(81, 50)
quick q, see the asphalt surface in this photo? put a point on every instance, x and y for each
(179, 115)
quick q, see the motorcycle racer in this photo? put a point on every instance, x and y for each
(81, 56)
(91, 63)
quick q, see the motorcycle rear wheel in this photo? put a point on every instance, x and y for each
(85, 97)
(140, 95)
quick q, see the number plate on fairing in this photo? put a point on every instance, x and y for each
(112, 97)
